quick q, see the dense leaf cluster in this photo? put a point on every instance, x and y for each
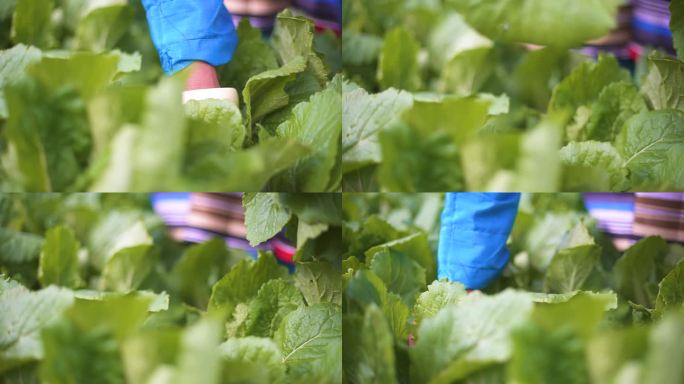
(568, 308)
(93, 290)
(492, 95)
(77, 113)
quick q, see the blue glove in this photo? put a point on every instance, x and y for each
(472, 242)
(184, 31)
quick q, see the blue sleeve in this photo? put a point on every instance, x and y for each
(184, 31)
(472, 242)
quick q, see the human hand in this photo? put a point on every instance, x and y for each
(202, 76)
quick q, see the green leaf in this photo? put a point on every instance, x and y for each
(59, 259)
(360, 48)
(677, 27)
(616, 103)
(483, 156)
(665, 350)
(373, 231)
(466, 73)
(121, 314)
(48, 147)
(543, 357)
(581, 313)
(571, 266)
(174, 356)
(664, 84)
(363, 116)
(457, 341)
(100, 28)
(537, 73)
(23, 314)
(252, 56)
(215, 126)
(198, 359)
(586, 82)
(398, 67)
(414, 162)
(612, 351)
(109, 111)
(594, 164)
(318, 282)
(74, 355)
(243, 281)
(19, 247)
(275, 300)
(128, 267)
(265, 216)
(317, 124)
(439, 295)
(315, 207)
(651, 145)
(460, 117)
(143, 352)
(400, 273)
(89, 73)
(157, 301)
(635, 272)
(545, 235)
(265, 92)
(538, 167)
(365, 288)
(32, 23)
(306, 232)
(416, 246)
(451, 37)
(128, 230)
(565, 23)
(293, 37)
(310, 339)
(249, 170)
(368, 349)
(671, 292)
(164, 118)
(7, 8)
(251, 360)
(15, 61)
(199, 268)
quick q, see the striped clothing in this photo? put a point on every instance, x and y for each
(660, 214)
(627, 217)
(641, 25)
(198, 217)
(326, 14)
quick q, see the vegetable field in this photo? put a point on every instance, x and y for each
(452, 95)
(84, 107)
(568, 308)
(92, 290)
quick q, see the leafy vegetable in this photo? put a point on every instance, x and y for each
(549, 119)
(93, 289)
(101, 118)
(567, 308)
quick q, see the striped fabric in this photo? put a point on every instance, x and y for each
(614, 213)
(326, 14)
(641, 25)
(660, 214)
(651, 23)
(627, 217)
(198, 217)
